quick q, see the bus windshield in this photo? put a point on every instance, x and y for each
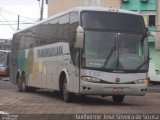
(117, 51)
(114, 42)
(113, 21)
(3, 58)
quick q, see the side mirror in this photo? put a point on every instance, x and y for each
(79, 37)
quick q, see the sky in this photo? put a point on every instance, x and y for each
(28, 10)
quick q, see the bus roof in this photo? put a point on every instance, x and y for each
(80, 9)
(103, 9)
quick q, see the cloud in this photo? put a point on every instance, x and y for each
(18, 2)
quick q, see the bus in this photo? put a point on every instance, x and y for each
(4, 63)
(84, 51)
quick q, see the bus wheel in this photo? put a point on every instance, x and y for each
(118, 99)
(66, 93)
(19, 84)
(24, 87)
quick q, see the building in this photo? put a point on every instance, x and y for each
(158, 26)
(56, 6)
(5, 44)
(149, 9)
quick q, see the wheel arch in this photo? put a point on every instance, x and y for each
(62, 75)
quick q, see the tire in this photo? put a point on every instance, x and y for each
(24, 87)
(19, 84)
(118, 99)
(66, 94)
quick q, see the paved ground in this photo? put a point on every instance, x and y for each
(49, 102)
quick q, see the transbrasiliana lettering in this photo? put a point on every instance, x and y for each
(50, 52)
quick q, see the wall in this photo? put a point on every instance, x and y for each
(56, 6)
(157, 42)
(138, 5)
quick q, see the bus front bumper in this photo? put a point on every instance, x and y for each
(89, 88)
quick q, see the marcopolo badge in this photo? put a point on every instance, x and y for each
(117, 80)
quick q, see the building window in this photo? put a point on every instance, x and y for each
(151, 20)
(125, 1)
(144, 1)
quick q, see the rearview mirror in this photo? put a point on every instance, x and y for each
(79, 37)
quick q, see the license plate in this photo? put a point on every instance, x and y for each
(117, 89)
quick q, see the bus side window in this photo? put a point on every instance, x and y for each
(74, 17)
(52, 30)
(63, 27)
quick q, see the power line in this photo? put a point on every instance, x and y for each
(15, 23)
(10, 12)
(8, 23)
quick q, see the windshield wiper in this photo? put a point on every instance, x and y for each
(109, 56)
(143, 64)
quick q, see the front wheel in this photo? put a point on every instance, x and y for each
(118, 99)
(66, 94)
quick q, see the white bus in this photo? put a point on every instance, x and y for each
(84, 50)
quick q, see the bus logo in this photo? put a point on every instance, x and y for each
(117, 80)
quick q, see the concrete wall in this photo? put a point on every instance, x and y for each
(56, 6)
(111, 3)
(157, 42)
(138, 5)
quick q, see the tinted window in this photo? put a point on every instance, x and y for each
(52, 30)
(152, 20)
(64, 19)
(113, 21)
(74, 17)
(63, 27)
(3, 58)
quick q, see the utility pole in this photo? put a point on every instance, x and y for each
(41, 11)
(18, 22)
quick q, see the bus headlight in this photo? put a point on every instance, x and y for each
(141, 82)
(90, 79)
